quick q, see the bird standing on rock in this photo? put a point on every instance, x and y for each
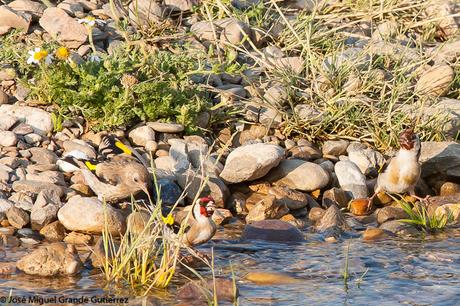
(403, 171)
(203, 227)
(117, 179)
(118, 174)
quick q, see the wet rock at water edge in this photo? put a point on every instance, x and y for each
(333, 223)
(360, 207)
(451, 212)
(99, 254)
(225, 290)
(17, 217)
(291, 198)
(78, 238)
(221, 216)
(316, 214)
(335, 196)
(272, 230)
(270, 278)
(89, 215)
(53, 232)
(400, 228)
(388, 213)
(51, 260)
(371, 234)
(268, 208)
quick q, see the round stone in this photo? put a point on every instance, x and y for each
(163, 127)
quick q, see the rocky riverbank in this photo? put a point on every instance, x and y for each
(284, 139)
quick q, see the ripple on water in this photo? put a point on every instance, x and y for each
(396, 272)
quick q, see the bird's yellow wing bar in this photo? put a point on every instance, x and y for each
(123, 147)
(90, 166)
(168, 220)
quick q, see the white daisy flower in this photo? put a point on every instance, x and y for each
(91, 21)
(38, 55)
(94, 58)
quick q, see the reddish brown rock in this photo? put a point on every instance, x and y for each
(272, 230)
(360, 207)
(374, 234)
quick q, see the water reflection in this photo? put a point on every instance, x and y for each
(391, 272)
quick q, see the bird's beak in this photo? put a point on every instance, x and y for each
(210, 208)
(144, 189)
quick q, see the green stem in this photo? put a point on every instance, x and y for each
(90, 38)
(47, 3)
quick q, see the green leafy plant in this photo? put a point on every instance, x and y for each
(419, 216)
(123, 88)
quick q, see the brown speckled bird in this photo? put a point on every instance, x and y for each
(117, 179)
(403, 170)
(203, 227)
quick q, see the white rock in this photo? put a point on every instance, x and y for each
(7, 139)
(89, 215)
(7, 121)
(75, 147)
(163, 127)
(179, 155)
(299, 174)
(140, 135)
(5, 205)
(37, 118)
(251, 162)
(351, 179)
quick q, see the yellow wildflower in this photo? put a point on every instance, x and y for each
(62, 53)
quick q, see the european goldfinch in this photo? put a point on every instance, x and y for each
(403, 171)
(203, 227)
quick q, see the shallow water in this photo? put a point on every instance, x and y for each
(390, 272)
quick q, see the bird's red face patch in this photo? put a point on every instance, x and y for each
(206, 206)
(206, 200)
(203, 211)
(406, 139)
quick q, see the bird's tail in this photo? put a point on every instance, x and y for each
(111, 145)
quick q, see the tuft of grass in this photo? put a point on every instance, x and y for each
(419, 216)
(143, 260)
(149, 259)
(382, 101)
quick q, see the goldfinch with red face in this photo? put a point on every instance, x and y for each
(403, 171)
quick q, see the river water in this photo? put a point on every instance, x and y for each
(389, 272)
